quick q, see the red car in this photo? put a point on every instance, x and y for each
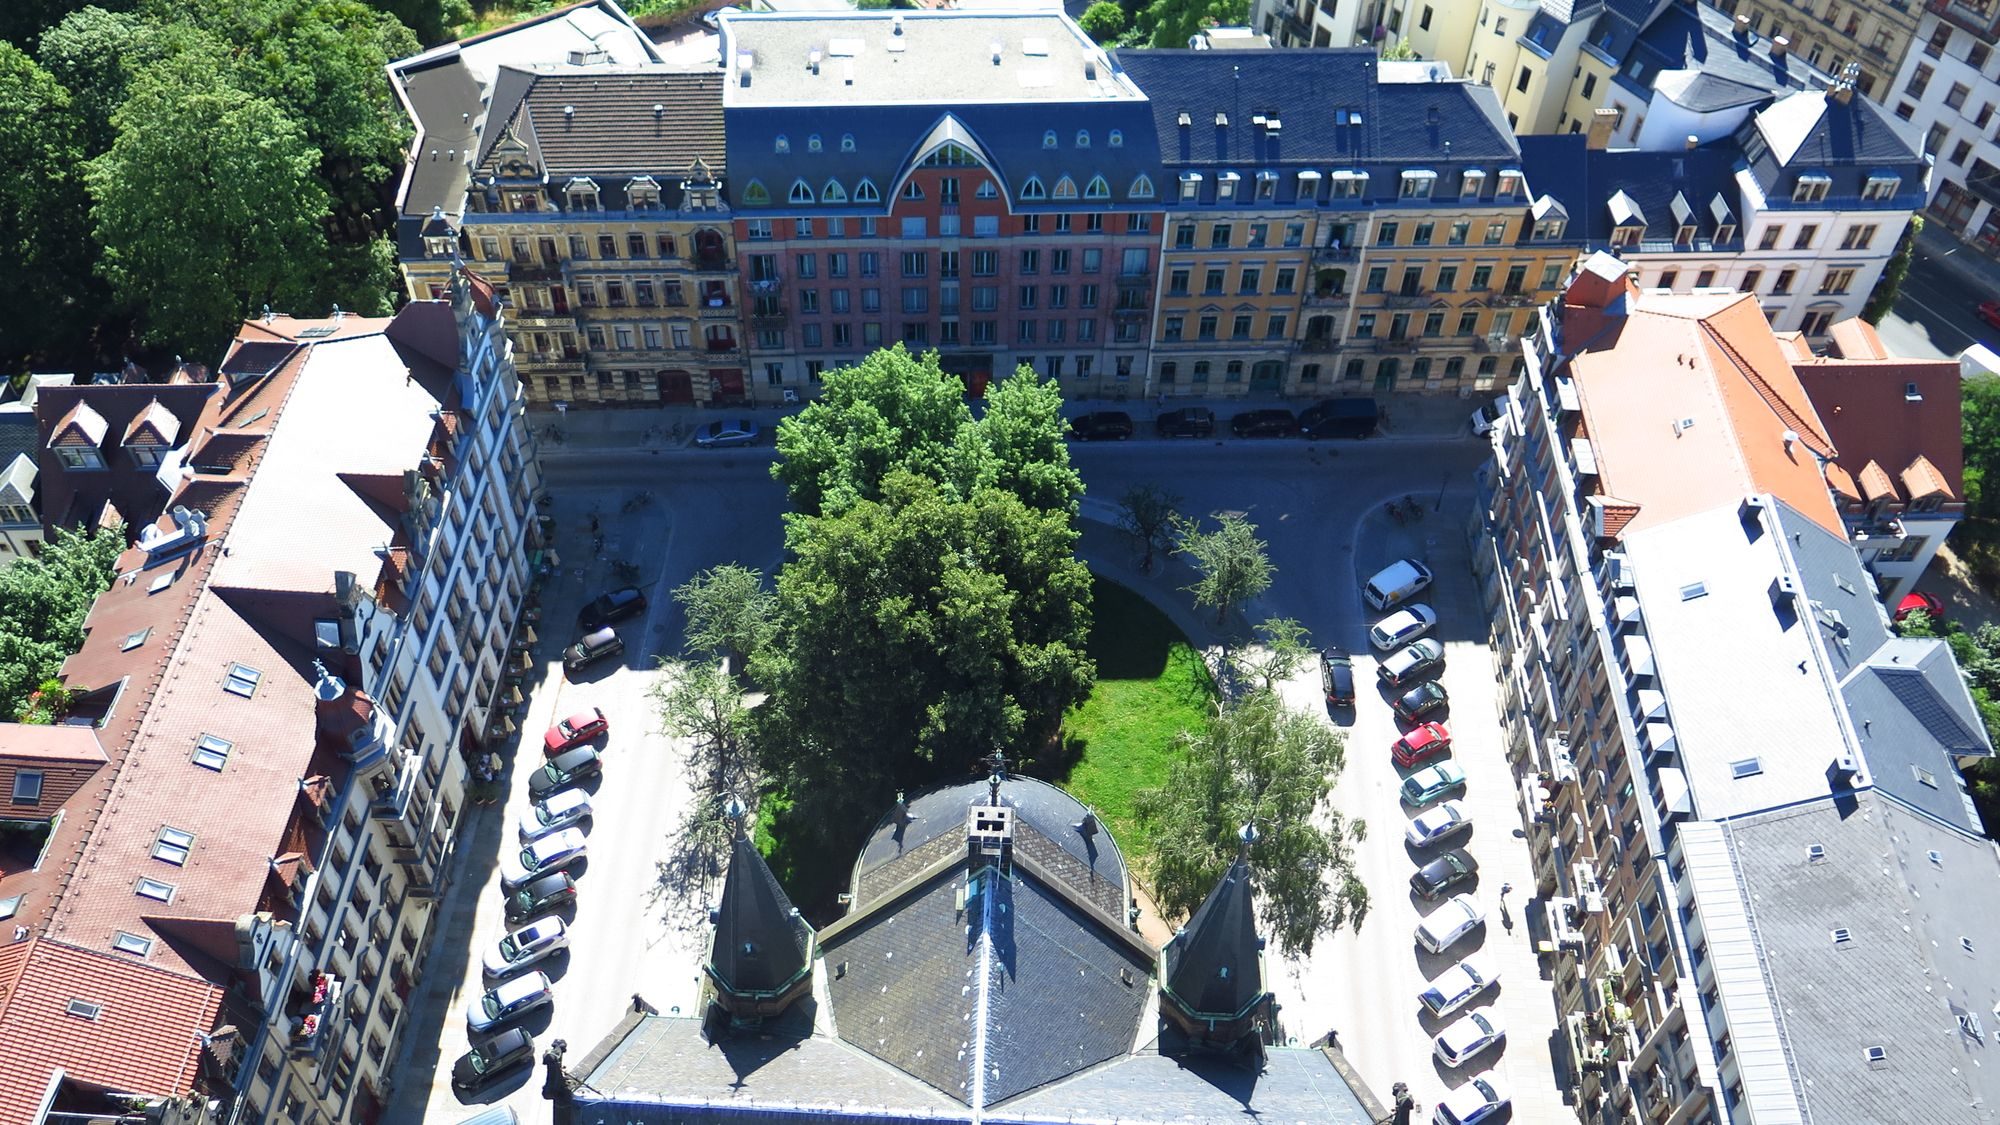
(1423, 743)
(1989, 311)
(574, 731)
(1917, 600)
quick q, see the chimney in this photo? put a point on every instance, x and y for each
(1842, 92)
(1693, 141)
(1603, 122)
(1779, 45)
(1742, 26)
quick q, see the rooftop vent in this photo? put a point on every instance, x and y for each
(569, 111)
(1842, 935)
(1815, 853)
(84, 1009)
(896, 25)
(1694, 590)
(1878, 1055)
(1184, 120)
(1784, 588)
(190, 527)
(1682, 426)
(1791, 439)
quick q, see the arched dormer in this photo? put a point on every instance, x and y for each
(949, 144)
(802, 192)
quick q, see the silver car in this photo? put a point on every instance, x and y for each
(525, 947)
(550, 853)
(557, 811)
(509, 1001)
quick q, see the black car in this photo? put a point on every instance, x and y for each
(550, 892)
(491, 1059)
(1437, 878)
(1188, 421)
(1339, 418)
(1336, 677)
(1103, 425)
(1421, 702)
(614, 606)
(565, 770)
(1264, 423)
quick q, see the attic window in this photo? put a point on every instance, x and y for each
(11, 905)
(781, 144)
(755, 194)
(1083, 138)
(1509, 185)
(865, 192)
(211, 752)
(986, 190)
(1418, 182)
(1225, 185)
(802, 192)
(1097, 188)
(27, 787)
(1049, 139)
(1881, 186)
(1142, 187)
(832, 192)
(84, 1009)
(1190, 185)
(1842, 935)
(1116, 139)
(813, 143)
(154, 889)
(643, 193)
(1811, 188)
(1925, 777)
(1878, 1055)
(135, 639)
(847, 142)
(242, 680)
(582, 195)
(1034, 189)
(1746, 767)
(1470, 182)
(132, 943)
(173, 846)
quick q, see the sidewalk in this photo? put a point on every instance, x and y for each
(1937, 245)
(1405, 417)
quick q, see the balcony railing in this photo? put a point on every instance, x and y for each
(533, 271)
(769, 284)
(1319, 345)
(768, 317)
(1511, 299)
(1400, 344)
(1328, 299)
(713, 263)
(1407, 300)
(1873, 531)
(1333, 253)
(315, 1009)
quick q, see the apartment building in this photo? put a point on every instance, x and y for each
(1802, 205)
(1873, 37)
(1741, 790)
(981, 183)
(1315, 23)
(225, 858)
(1949, 88)
(20, 464)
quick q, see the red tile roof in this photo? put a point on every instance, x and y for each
(78, 498)
(1872, 416)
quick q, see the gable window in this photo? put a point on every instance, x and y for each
(1811, 188)
(864, 192)
(802, 192)
(912, 190)
(833, 192)
(1033, 189)
(241, 680)
(1049, 139)
(582, 195)
(173, 846)
(1142, 187)
(643, 193)
(1097, 188)
(986, 191)
(211, 752)
(755, 194)
(781, 144)
(27, 787)
(79, 456)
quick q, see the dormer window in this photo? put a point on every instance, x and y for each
(1065, 189)
(582, 195)
(1190, 186)
(1267, 185)
(79, 456)
(847, 142)
(1116, 139)
(1882, 185)
(1225, 186)
(643, 193)
(1811, 188)
(1725, 232)
(1550, 230)
(1509, 185)
(1349, 185)
(1097, 188)
(1470, 184)
(813, 143)
(1049, 139)
(1417, 183)
(802, 192)
(865, 192)
(1142, 187)
(1083, 138)
(440, 246)
(1034, 189)
(781, 144)
(833, 192)
(755, 194)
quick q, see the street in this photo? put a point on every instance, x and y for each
(1933, 315)
(1318, 506)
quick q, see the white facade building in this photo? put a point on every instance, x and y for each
(1949, 90)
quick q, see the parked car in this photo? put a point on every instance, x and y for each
(553, 852)
(1102, 425)
(1339, 418)
(1264, 423)
(1932, 606)
(718, 435)
(565, 770)
(1452, 869)
(1421, 702)
(1488, 416)
(616, 605)
(525, 947)
(549, 893)
(1425, 741)
(1188, 421)
(554, 813)
(593, 647)
(1432, 782)
(486, 1062)
(1459, 985)
(1456, 917)
(1989, 311)
(575, 730)
(1402, 627)
(1418, 660)
(1468, 1035)
(1396, 583)
(1435, 824)
(1336, 677)
(1481, 1100)
(508, 1001)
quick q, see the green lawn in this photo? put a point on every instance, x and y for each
(1151, 684)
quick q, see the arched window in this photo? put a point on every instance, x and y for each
(847, 142)
(1097, 188)
(1117, 138)
(1083, 138)
(833, 192)
(802, 192)
(812, 143)
(986, 190)
(1033, 189)
(1049, 139)
(913, 190)
(1142, 188)
(864, 192)
(755, 194)
(1065, 189)
(782, 145)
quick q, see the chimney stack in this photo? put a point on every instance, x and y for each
(1693, 141)
(1779, 45)
(1742, 26)
(1603, 122)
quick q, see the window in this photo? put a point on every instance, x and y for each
(1385, 234)
(1783, 286)
(1668, 277)
(1212, 282)
(1034, 189)
(1496, 232)
(1218, 236)
(1920, 80)
(211, 752)
(1769, 240)
(1745, 767)
(1704, 279)
(1417, 184)
(1521, 83)
(132, 943)
(1836, 282)
(1811, 188)
(1142, 187)
(1881, 187)
(865, 192)
(1098, 188)
(135, 639)
(1806, 235)
(27, 787)
(154, 889)
(1460, 231)
(173, 846)
(241, 680)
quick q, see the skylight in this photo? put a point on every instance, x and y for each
(132, 943)
(211, 752)
(1746, 767)
(154, 889)
(242, 680)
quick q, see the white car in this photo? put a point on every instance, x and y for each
(1402, 627)
(1474, 1103)
(547, 854)
(1432, 825)
(553, 813)
(1459, 985)
(1456, 917)
(509, 1000)
(1468, 1035)
(1398, 582)
(1488, 416)
(529, 945)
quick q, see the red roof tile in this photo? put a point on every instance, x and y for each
(1872, 414)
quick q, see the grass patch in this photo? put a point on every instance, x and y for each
(1151, 685)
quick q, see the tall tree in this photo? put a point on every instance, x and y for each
(43, 237)
(1980, 423)
(728, 611)
(1231, 562)
(1146, 512)
(206, 206)
(23, 21)
(697, 701)
(432, 21)
(1025, 432)
(1171, 23)
(1103, 21)
(42, 605)
(1259, 763)
(1281, 651)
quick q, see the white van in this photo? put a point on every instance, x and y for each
(1396, 583)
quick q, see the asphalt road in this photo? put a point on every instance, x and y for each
(1934, 314)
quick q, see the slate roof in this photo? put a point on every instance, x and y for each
(1214, 964)
(20, 456)
(1720, 68)
(603, 121)
(939, 815)
(1812, 132)
(761, 943)
(1585, 181)
(1619, 25)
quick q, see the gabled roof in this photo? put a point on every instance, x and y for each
(1693, 56)
(155, 425)
(74, 498)
(81, 426)
(1598, 187)
(1813, 132)
(609, 121)
(1215, 963)
(1900, 416)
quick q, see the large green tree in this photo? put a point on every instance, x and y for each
(42, 605)
(1171, 23)
(1262, 764)
(1230, 562)
(1980, 418)
(206, 206)
(728, 611)
(46, 285)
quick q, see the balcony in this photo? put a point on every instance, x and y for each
(1876, 532)
(539, 317)
(1319, 345)
(1329, 299)
(720, 347)
(1333, 253)
(1407, 300)
(1401, 344)
(534, 271)
(713, 263)
(1510, 299)
(717, 306)
(771, 316)
(313, 1010)
(767, 285)
(1133, 313)
(549, 363)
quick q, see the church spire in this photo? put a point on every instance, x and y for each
(1213, 984)
(762, 957)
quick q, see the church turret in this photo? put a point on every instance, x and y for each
(761, 960)
(1213, 980)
